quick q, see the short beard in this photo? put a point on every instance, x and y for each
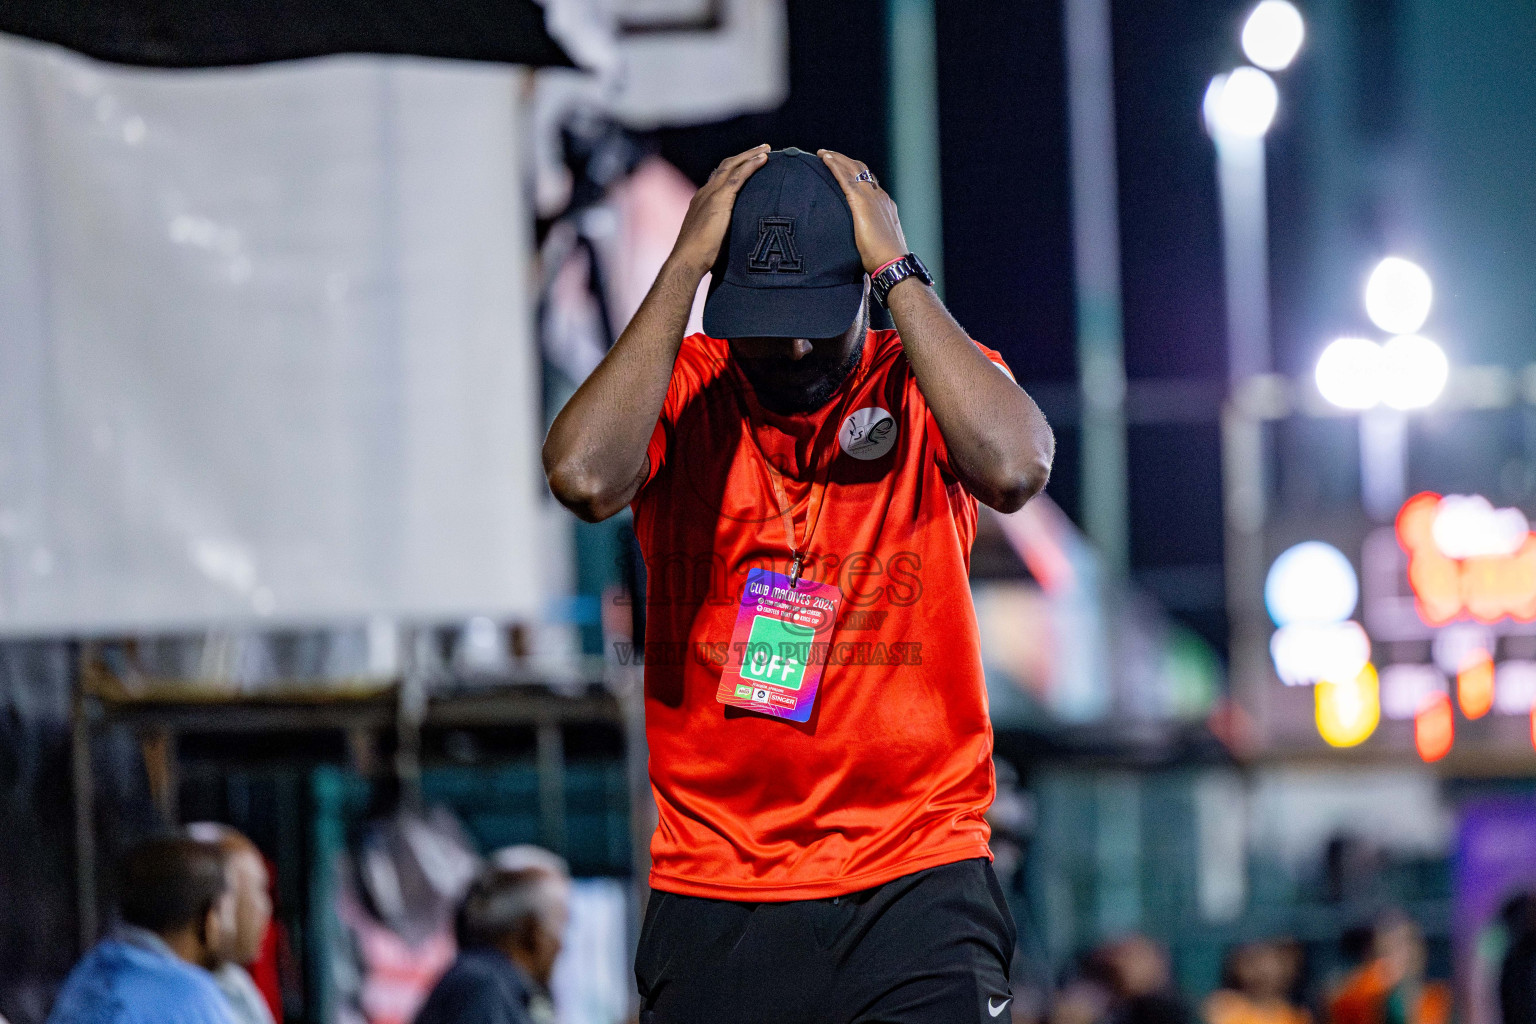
(819, 391)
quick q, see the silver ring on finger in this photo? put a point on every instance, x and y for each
(865, 175)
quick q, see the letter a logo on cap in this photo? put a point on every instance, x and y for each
(775, 251)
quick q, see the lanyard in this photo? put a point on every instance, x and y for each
(799, 550)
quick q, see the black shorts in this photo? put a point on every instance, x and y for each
(929, 948)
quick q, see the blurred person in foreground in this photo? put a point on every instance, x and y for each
(1517, 971)
(1084, 993)
(1390, 986)
(1139, 978)
(509, 929)
(821, 778)
(178, 918)
(1257, 981)
(246, 872)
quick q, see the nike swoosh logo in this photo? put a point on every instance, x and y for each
(996, 1008)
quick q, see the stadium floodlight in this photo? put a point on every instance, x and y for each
(1241, 103)
(1398, 295)
(1273, 34)
(1349, 373)
(1210, 106)
(1413, 372)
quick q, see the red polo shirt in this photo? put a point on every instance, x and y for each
(893, 772)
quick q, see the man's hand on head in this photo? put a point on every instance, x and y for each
(999, 444)
(876, 228)
(595, 456)
(709, 213)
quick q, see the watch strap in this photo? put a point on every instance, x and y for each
(896, 271)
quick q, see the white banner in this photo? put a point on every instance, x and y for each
(265, 344)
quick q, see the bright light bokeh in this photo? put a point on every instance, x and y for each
(1485, 589)
(1514, 692)
(1305, 652)
(1349, 373)
(1311, 582)
(1398, 296)
(1406, 687)
(1414, 372)
(1474, 687)
(1434, 728)
(1468, 526)
(1210, 106)
(1242, 103)
(1273, 34)
(1461, 644)
(1348, 711)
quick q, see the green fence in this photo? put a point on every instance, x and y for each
(498, 806)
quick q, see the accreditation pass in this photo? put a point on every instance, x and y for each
(779, 646)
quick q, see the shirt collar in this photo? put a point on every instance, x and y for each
(143, 938)
(508, 968)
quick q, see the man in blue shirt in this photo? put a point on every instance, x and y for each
(178, 913)
(246, 871)
(509, 930)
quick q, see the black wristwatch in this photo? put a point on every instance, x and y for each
(898, 270)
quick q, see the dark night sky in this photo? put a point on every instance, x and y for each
(1007, 226)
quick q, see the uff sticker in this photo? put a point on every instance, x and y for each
(779, 646)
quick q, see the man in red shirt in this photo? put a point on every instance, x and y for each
(804, 492)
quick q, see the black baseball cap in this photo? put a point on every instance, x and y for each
(789, 267)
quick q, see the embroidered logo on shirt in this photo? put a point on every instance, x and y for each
(868, 433)
(775, 251)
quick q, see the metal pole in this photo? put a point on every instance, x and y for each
(1240, 176)
(550, 749)
(410, 714)
(1096, 259)
(1383, 462)
(1244, 508)
(1117, 849)
(85, 819)
(157, 745)
(914, 127)
(642, 804)
(629, 687)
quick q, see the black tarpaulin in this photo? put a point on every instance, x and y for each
(222, 33)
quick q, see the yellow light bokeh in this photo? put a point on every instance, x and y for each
(1348, 711)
